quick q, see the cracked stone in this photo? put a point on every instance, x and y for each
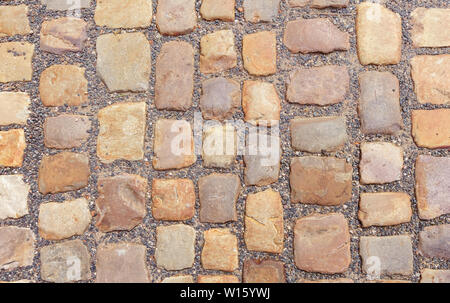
(263, 271)
(13, 197)
(220, 98)
(259, 53)
(381, 162)
(217, 52)
(430, 27)
(66, 131)
(434, 241)
(16, 58)
(176, 17)
(220, 251)
(12, 147)
(173, 199)
(14, 20)
(62, 35)
(123, 14)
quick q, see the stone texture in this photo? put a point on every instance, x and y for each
(324, 181)
(432, 178)
(218, 196)
(318, 3)
(381, 162)
(122, 132)
(263, 271)
(261, 11)
(315, 135)
(264, 222)
(318, 85)
(218, 10)
(431, 128)
(121, 203)
(63, 172)
(434, 241)
(220, 250)
(173, 199)
(259, 53)
(384, 209)
(16, 247)
(66, 131)
(338, 280)
(65, 262)
(14, 108)
(178, 279)
(374, 46)
(123, 14)
(122, 263)
(435, 276)
(217, 279)
(217, 52)
(16, 60)
(62, 35)
(14, 20)
(220, 98)
(58, 5)
(431, 27)
(12, 147)
(59, 221)
(379, 103)
(261, 103)
(322, 243)
(175, 247)
(176, 17)
(219, 146)
(13, 197)
(63, 85)
(394, 254)
(174, 76)
(173, 144)
(317, 35)
(124, 61)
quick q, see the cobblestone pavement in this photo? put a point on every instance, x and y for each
(95, 105)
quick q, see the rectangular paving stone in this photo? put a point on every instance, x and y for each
(220, 99)
(434, 276)
(259, 53)
(431, 128)
(61, 5)
(16, 60)
(14, 108)
(176, 17)
(123, 14)
(13, 197)
(12, 147)
(263, 271)
(338, 280)
(62, 35)
(66, 131)
(431, 27)
(217, 279)
(217, 52)
(261, 11)
(434, 241)
(261, 103)
(14, 20)
(220, 250)
(219, 146)
(318, 3)
(381, 162)
(16, 247)
(218, 10)
(173, 199)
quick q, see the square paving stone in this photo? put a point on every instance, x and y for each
(220, 98)
(176, 17)
(217, 52)
(14, 20)
(13, 197)
(123, 14)
(175, 247)
(263, 271)
(58, 5)
(218, 10)
(259, 53)
(62, 35)
(434, 276)
(66, 131)
(431, 128)
(381, 162)
(16, 247)
(124, 61)
(16, 58)
(261, 103)
(121, 263)
(220, 251)
(173, 199)
(261, 11)
(122, 132)
(219, 146)
(322, 243)
(14, 108)
(434, 241)
(431, 27)
(12, 147)
(218, 196)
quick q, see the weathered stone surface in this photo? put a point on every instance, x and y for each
(65, 262)
(220, 251)
(66, 34)
(315, 35)
(392, 253)
(63, 85)
(59, 221)
(174, 76)
(263, 271)
(338, 280)
(315, 135)
(432, 176)
(176, 17)
(261, 103)
(217, 52)
(379, 103)
(264, 222)
(16, 58)
(434, 241)
(66, 131)
(63, 172)
(259, 53)
(175, 247)
(173, 144)
(322, 243)
(431, 75)
(14, 108)
(179, 279)
(173, 199)
(13, 197)
(219, 146)
(122, 132)
(435, 276)
(58, 5)
(320, 180)
(431, 128)
(220, 98)
(124, 61)
(121, 202)
(121, 263)
(318, 3)
(261, 11)
(218, 195)
(123, 14)
(374, 46)
(218, 10)
(318, 85)
(14, 20)
(16, 247)
(431, 27)
(12, 147)
(381, 162)
(384, 209)
(217, 279)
